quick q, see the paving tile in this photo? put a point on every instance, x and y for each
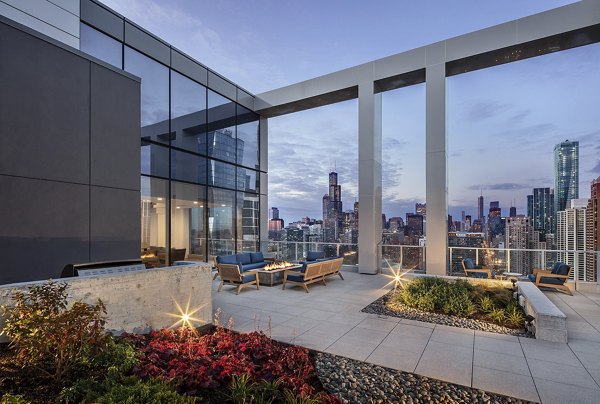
(503, 346)
(457, 363)
(388, 356)
(284, 333)
(452, 337)
(302, 323)
(399, 342)
(552, 392)
(578, 345)
(385, 318)
(418, 323)
(315, 341)
(549, 351)
(575, 375)
(507, 383)
(350, 349)
(377, 324)
(495, 335)
(500, 361)
(412, 331)
(329, 327)
(318, 314)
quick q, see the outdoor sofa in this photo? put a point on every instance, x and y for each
(240, 269)
(555, 278)
(313, 271)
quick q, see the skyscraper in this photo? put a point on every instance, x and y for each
(540, 208)
(593, 231)
(566, 173)
(480, 209)
(571, 236)
(421, 209)
(333, 218)
(513, 211)
(274, 213)
(519, 234)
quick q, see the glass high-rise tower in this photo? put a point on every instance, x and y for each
(566, 173)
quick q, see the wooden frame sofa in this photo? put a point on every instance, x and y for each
(475, 271)
(556, 278)
(230, 274)
(313, 272)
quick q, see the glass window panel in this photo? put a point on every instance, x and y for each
(154, 197)
(188, 205)
(188, 114)
(155, 94)
(247, 138)
(248, 180)
(221, 221)
(154, 159)
(221, 127)
(188, 167)
(101, 46)
(221, 174)
(248, 223)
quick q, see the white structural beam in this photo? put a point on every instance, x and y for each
(369, 177)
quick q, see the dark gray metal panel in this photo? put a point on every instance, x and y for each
(102, 19)
(115, 130)
(45, 225)
(44, 109)
(222, 86)
(245, 99)
(146, 43)
(189, 67)
(115, 224)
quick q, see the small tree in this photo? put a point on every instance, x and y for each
(48, 334)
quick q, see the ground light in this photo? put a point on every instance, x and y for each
(397, 275)
(185, 317)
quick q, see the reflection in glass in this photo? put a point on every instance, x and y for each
(155, 94)
(247, 180)
(188, 114)
(221, 221)
(248, 222)
(247, 138)
(154, 159)
(221, 174)
(154, 197)
(188, 204)
(101, 46)
(221, 127)
(188, 167)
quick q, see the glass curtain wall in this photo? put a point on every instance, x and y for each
(199, 161)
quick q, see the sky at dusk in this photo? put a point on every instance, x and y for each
(502, 122)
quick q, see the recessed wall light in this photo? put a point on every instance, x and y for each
(160, 199)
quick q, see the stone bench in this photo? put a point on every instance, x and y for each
(550, 323)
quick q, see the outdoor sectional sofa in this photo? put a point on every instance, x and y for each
(239, 269)
(313, 271)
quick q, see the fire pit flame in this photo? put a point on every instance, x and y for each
(278, 265)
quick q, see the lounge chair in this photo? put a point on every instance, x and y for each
(555, 278)
(230, 274)
(475, 271)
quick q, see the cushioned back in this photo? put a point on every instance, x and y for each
(555, 267)
(256, 257)
(469, 263)
(227, 259)
(314, 255)
(563, 269)
(244, 258)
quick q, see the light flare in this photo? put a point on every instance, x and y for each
(185, 317)
(397, 275)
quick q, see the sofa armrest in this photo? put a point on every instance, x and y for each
(539, 270)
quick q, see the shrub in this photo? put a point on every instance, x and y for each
(515, 316)
(48, 334)
(209, 362)
(497, 315)
(13, 399)
(486, 304)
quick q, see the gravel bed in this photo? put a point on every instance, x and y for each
(359, 382)
(380, 307)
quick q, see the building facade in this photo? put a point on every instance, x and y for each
(593, 231)
(571, 237)
(519, 234)
(566, 173)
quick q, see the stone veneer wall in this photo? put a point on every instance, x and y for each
(142, 300)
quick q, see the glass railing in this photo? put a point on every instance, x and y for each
(524, 261)
(402, 256)
(296, 250)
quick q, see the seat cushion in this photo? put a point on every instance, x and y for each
(469, 264)
(563, 269)
(244, 258)
(552, 281)
(478, 274)
(531, 277)
(255, 265)
(256, 257)
(314, 255)
(248, 278)
(227, 259)
(295, 278)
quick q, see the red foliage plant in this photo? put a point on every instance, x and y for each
(200, 362)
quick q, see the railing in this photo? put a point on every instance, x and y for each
(402, 256)
(295, 250)
(523, 261)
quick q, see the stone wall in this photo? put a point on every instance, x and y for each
(142, 300)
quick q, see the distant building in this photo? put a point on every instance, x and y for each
(519, 234)
(495, 224)
(513, 211)
(571, 236)
(274, 213)
(295, 234)
(477, 226)
(468, 223)
(414, 228)
(332, 210)
(395, 223)
(480, 210)
(593, 231)
(421, 209)
(566, 173)
(540, 208)
(469, 241)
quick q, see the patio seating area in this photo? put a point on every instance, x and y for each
(329, 319)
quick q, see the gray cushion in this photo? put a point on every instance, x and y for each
(531, 277)
(314, 255)
(244, 258)
(256, 257)
(227, 259)
(563, 269)
(295, 278)
(555, 267)
(478, 274)
(254, 265)
(552, 281)
(469, 263)
(248, 278)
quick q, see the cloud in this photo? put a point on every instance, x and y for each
(595, 169)
(504, 186)
(485, 109)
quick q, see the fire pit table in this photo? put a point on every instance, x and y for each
(272, 274)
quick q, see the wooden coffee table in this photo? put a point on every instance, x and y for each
(274, 276)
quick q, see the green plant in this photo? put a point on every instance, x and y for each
(515, 316)
(497, 315)
(13, 399)
(291, 398)
(486, 304)
(48, 334)
(242, 390)
(117, 356)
